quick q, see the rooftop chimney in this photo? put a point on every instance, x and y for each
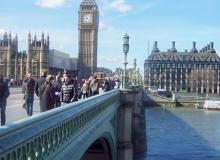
(194, 50)
(173, 44)
(208, 47)
(212, 50)
(173, 49)
(155, 49)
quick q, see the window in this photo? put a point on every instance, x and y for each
(179, 66)
(195, 66)
(174, 66)
(35, 56)
(162, 66)
(1, 55)
(168, 65)
(216, 66)
(189, 66)
(158, 65)
(184, 65)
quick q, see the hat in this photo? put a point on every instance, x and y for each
(49, 78)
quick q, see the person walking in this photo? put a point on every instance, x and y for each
(57, 87)
(94, 86)
(28, 87)
(38, 87)
(85, 89)
(48, 94)
(4, 94)
(69, 90)
(107, 86)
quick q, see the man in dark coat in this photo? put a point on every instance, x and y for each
(107, 86)
(38, 87)
(4, 93)
(57, 87)
(48, 94)
(28, 87)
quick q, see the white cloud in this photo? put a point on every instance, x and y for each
(104, 27)
(50, 3)
(2, 31)
(120, 5)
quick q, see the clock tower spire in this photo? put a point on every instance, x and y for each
(88, 22)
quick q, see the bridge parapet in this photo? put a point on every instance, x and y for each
(47, 135)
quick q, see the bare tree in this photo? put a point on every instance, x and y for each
(207, 78)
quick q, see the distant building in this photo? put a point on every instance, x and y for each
(15, 64)
(104, 70)
(193, 71)
(58, 61)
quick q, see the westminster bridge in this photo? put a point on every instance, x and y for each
(104, 127)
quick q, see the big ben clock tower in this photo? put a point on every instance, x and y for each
(88, 22)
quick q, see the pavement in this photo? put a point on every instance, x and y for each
(14, 109)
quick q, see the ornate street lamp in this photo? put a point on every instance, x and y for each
(125, 50)
(135, 73)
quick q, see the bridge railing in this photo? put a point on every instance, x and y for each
(42, 136)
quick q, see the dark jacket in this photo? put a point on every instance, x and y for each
(4, 91)
(39, 84)
(28, 87)
(48, 97)
(69, 92)
(107, 86)
(57, 88)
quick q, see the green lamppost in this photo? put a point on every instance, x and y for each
(125, 50)
(134, 73)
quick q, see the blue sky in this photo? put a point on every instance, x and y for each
(162, 20)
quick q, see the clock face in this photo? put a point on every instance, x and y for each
(87, 18)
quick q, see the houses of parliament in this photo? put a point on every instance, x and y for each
(15, 64)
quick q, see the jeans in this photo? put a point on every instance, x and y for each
(3, 107)
(85, 95)
(29, 105)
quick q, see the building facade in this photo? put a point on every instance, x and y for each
(15, 65)
(88, 22)
(8, 51)
(193, 71)
(39, 57)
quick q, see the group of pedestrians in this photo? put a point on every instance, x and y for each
(54, 91)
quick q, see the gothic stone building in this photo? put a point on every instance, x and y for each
(88, 22)
(15, 65)
(194, 71)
